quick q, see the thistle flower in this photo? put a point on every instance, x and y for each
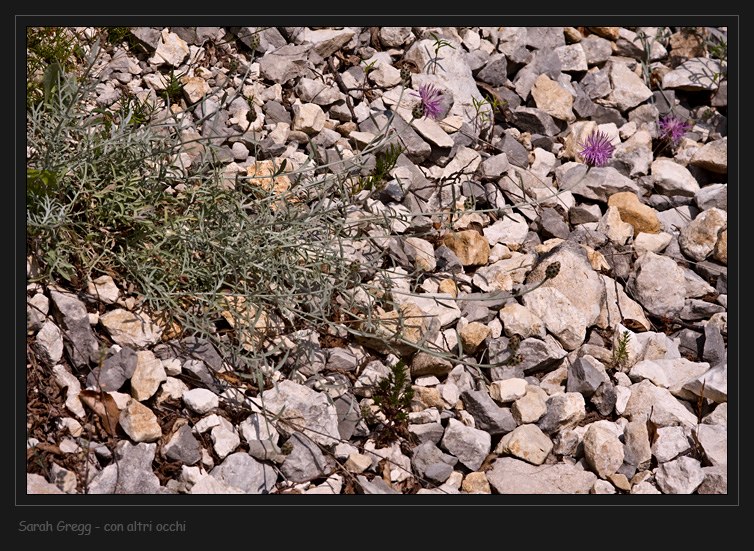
(431, 102)
(596, 150)
(673, 128)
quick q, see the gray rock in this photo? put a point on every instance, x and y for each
(200, 400)
(572, 58)
(531, 406)
(695, 309)
(276, 113)
(715, 481)
(269, 38)
(150, 36)
(604, 398)
(468, 444)
(349, 415)
(607, 115)
(515, 152)
(36, 484)
(636, 446)
(658, 284)
(326, 41)
(306, 461)
(672, 373)
(671, 178)
(427, 454)
(714, 442)
(585, 375)
(596, 84)
(240, 470)
(79, 340)
(629, 89)
(488, 416)
(495, 71)
(208, 484)
(438, 472)
(427, 432)
(552, 224)
(48, 343)
(285, 63)
(713, 195)
(544, 37)
(509, 230)
(715, 351)
(376, 486)
(603, 450)
(519, 320)
(563, 411)
(526, 442)
(670, 443)
(513, 476)
(695, 74)
(225, 438)
(596, 49)
(682, 476)
(130, 473)
(636, 153)
(598, 183)
(719, 416)
(266, 450)
(37, 308)
(582, 214)
(183, 447)
(540, 355)
(314, 91)
(699, 237)
(644, 487)
(394, 37)
(712, 156)
(304, 410)
(665, 408)
(536, 121)
(257, 427)
(569, 303)
(720, 96)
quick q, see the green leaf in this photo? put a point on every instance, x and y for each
(51, 79)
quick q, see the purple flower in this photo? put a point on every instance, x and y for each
(673, 128)
(596, 150)
(431, 102)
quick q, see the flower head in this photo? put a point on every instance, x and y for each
(673, 128)
(431, 102)
(596, 150)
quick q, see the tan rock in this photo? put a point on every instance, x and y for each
(131, 329)
(642, 217)
(427, 397)
(148, 375)
(472, 335)
(552, 98)
(611, 33)
(260, 173)
(721, 248)
(476, 483)
(449, 286)
(194, 88)
(140, 423)
(471, 248)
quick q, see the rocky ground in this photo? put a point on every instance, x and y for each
(611, 375)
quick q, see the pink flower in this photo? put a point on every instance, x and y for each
(673, 128)
(431, 102)
(596, 149)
